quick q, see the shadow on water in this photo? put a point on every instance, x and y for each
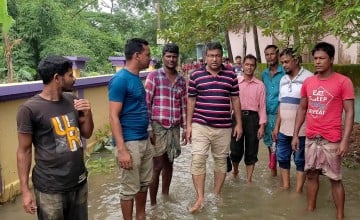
(261, 200)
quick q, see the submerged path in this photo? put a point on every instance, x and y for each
(261, 200)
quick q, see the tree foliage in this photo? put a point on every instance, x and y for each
(296, 23)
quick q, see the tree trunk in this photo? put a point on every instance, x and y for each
(228, 45)
(256, 43)
(8, 58)
(244, 41)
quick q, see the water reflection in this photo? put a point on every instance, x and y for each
(261, 200)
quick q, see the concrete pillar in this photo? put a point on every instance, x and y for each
(200, 51)
(118, 62)
(78, 63)
(152, 65)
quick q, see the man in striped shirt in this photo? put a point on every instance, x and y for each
(212, 90)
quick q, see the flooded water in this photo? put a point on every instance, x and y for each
(261, 200)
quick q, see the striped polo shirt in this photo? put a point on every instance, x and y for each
(213, 95)
(289, 97)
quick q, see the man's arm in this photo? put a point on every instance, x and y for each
(236, 107)
(189, 114)
(348, 125)
(124, 157)
(299, 120)
(275, 132)
(183, 114)
(86, 123)
(24, 157)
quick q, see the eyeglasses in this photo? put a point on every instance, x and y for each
(212, 56)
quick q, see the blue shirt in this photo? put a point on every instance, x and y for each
(127, 88)
(272, 85)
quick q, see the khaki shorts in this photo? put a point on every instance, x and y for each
(139, 177)
(206, 138)
(320, 154)
(164, 137)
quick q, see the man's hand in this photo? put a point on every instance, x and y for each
(274, 134)
(295, 143)
(82, 105)
(183, 138)
(124, 159)
(152, 137)
(29, 203)
(237, 132)
(260, 133)
(343, 149)
(188, 134)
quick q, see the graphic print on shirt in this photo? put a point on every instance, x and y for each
(66, 133)
(318, 101)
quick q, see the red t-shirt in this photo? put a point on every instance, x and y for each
(325, 105)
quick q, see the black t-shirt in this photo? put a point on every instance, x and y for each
(59, 156)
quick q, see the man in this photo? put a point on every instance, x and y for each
(289, 98)
(227, 63)
(271, 78)
(252, 101)
(238, 69)
(212, 90)
(129, 120)
(324, 96)
(166, 100)
(54, 122)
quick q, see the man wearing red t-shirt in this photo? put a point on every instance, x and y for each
(324, 97)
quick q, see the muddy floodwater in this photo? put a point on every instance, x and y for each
(261, 200)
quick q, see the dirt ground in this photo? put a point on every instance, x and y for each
(353, 157)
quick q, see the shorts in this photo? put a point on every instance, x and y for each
(271, 119)
(139, 177)
(320, 154)
(67, 205)
(248, 144)
(284, 152)
(206, 139)
(165, 137)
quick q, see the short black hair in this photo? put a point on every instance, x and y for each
(272, 46)
(170, 48)
(326, 47)
(291, 52)
(213, 46)
(250, 57)
(51, 65)
(237, 57)
(134, 45)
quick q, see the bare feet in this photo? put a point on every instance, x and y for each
(235, 173)
(273, 172)
(196, 207)
(284, 188)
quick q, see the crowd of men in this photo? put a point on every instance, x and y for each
(223, 112)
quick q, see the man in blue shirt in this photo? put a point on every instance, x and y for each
(129, 121)
(271, 78)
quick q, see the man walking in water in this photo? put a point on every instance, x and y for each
(271, 78)
(324, 97)
(166, 100)
(212, 90)
(289, 98)
(252, 100)
(129, 120)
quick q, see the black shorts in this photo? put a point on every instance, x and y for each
(248, 145)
